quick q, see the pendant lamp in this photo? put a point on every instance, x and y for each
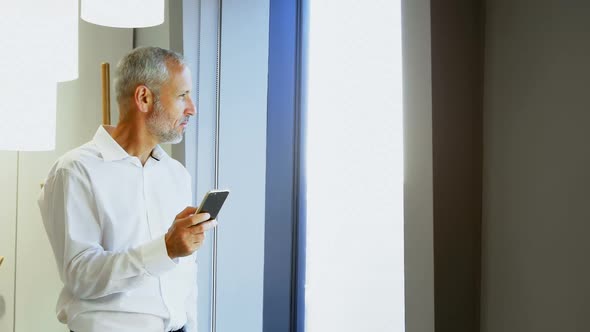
(28, 113)
(123, 13)
(39, 41)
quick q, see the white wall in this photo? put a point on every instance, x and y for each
(78, 117)
(536, 194)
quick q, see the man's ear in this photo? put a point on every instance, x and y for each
(143, 98)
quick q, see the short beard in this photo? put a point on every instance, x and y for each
(156, 124)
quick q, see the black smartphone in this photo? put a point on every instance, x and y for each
(213, 202)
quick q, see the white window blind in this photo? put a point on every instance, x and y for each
(355, 249)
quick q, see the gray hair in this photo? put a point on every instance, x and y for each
(144, 65)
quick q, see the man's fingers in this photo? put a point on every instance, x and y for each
(186, 212)
(197, 219)
(203, 227)
(200, 238)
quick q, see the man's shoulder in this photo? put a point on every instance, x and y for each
(76, 161)
(178, 167)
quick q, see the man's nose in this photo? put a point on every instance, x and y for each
(190, 109)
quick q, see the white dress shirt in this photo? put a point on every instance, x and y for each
(106, 215)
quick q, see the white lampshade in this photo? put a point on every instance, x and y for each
(39, 42)
(123, 13)
(28, 113)
(66, 41)
(40, 33)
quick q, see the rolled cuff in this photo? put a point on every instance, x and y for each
(155, 257)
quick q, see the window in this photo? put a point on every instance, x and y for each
(354, 167)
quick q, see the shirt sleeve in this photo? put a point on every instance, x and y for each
(191, 308)
(71, 221)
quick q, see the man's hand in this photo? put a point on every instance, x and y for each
(187, 233)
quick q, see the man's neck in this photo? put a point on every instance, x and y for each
(134, 139)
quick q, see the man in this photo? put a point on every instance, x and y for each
(117, 209)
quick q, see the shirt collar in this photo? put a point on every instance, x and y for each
(158, 153)
(111, 150)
